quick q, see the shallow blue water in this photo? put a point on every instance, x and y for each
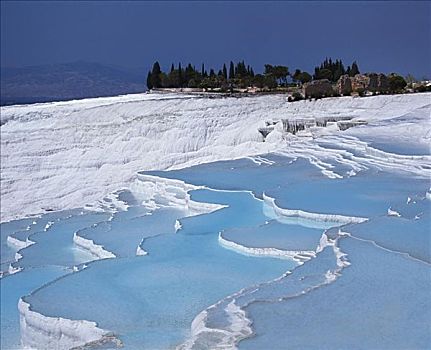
(31, 230)
(150, 301)
(55, 246)
(124, 233)
(405, 149)
(8, 251)
(381, 301)
(14, 287)
(300, 185)
(276, 235)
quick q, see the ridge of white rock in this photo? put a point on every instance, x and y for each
(154, 192)
(96, 249)
(336, 218)
(39, 331)
(299, 256)
(64, 155)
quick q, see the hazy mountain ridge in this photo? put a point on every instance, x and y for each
(67, 81)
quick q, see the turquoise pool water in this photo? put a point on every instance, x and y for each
(233, 276)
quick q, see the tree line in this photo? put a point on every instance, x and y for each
(240, 75)
(333, 70)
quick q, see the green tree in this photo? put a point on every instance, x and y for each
(149, 81)
(336, 69)
(155, 75)
(325, 74)
(354, 70)
(180, 76)
(270, 81)
(192, 83)
(304, 77)
(281, 73)
(231, 70)
(269, 69)
(337, 74)
(259, 81)
(189, 73)
(164, 80)
(396, 82)
(295, 76)
(224, 71)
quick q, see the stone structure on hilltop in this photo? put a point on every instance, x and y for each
(318, 88)
(360, 83)
(344, 85)
(378, 82)
(372, 82)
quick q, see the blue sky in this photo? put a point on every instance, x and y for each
(381, 36)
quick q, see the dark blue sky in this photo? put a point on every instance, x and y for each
(381, 36)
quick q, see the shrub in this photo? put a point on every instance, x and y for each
(297, 96)
(421, 88)
(396, 83)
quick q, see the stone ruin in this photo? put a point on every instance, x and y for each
(378, 82)
(318, 88)
(344, 85)
(360, 83)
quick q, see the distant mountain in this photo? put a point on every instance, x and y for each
(67, 81)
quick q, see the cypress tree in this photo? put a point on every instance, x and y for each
(188, 74)
(354, 70)
(337, 74)
(155, 75)
(180, 76)
(224, 71)
(203, 70)
(149, 81)
(343, 70)
(231, 70)
(172, 68)
(241, 70)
